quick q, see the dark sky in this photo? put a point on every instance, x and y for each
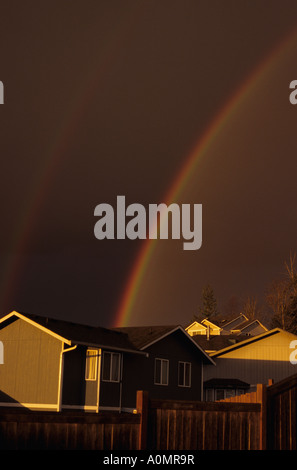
(107, 98)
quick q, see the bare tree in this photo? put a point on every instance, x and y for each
(251, 308)
(282, 295)
(277, 300)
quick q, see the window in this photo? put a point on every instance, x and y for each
(230, 393)
(161, 371)
(111, 367)
(219, 394)
(184, 374)
(91, 364)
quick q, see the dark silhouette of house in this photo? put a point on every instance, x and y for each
(52, 364)
(174, 365)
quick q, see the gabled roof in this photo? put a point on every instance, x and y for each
(211, 324)
(218, 342)
(229, 325)
(248, 323)
(250, 340)
(195, 323)
(75, 333)
(144, 336)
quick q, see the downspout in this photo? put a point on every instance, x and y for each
(99, 380)
(121, 384)
(61, 369)
(202, 380)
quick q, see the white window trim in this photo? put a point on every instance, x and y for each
(167, 378)
(184, 378)
(96, 364)
(110, 370)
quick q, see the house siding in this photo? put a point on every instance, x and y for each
(175, 347)
(73, 386)
(77, 391)
(268, 358)
(30, 371)
(111, 392)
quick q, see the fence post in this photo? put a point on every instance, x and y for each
(142, 409)
(262, 399)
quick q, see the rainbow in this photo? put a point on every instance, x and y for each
(136, 278)
(65, 131)
(60, 144)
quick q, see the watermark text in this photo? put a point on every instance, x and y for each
(136, 222)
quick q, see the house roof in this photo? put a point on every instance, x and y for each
(75, 333)
(248, 323)
(144, 336)
(195, 323)
(217, 342)
(208, 322)
(234, 322)
(225, 383)
(203, 324)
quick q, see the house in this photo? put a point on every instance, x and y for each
(205, 327)
(242, 325)
(50, 364)
(255, 360)
(239, 325)
(174, 366)
(229, 325)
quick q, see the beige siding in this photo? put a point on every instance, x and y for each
(256, 362)
(31, 364)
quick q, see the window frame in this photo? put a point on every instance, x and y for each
(162, 360)
(95, 356)
(183, 385)
(110, 379)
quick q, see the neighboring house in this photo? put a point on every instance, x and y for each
(240, 325)
(50, 364)
(53, 365)
(175, 364)
(256, 360)
(229, 325)
(196, 328)
(243, 326)
(205, 327)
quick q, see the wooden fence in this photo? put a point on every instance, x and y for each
(20, 429)
(264, 419)
(282, 415)
(204, 426)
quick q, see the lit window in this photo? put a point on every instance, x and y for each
(111, 367)
(91, 364)
(161, 371)
(184, 374)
